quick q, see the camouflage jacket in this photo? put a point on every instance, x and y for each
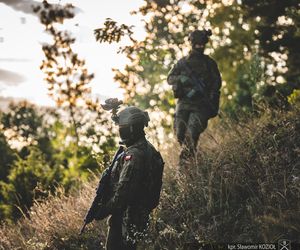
(206, 69)
(127, 186)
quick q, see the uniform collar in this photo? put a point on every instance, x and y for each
(195, 54)
(138, 143)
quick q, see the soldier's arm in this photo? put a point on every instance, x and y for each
(128, 182)
(214, 89)
(216, 80)
(176, 75)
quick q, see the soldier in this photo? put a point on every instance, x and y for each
(134, 184)
(196, 82)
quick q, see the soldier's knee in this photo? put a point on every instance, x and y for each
(197, 124)
(180, 136)
(180, 130)
(198, 130)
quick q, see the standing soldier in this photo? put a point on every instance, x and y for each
(134, 183)
(196, 82)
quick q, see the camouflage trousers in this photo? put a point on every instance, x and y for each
(188, 126)
(115, 239)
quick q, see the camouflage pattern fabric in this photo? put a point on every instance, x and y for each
(188, 126)
(192, 114)
(129, 214)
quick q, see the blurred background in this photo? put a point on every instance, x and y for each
(22, 37)
(60, 59)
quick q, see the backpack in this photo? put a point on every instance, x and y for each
(154, 177)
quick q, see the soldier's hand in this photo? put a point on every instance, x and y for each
(184, 79)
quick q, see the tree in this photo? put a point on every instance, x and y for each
(236, 41)
(168, 25)
(66, 74)
(22, 122)
(25, 125)
(278, 33)
(68, 81)
(28, 179)
(7, 156)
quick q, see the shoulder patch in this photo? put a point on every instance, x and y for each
(128, 157)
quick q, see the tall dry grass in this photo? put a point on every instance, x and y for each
(55, 223)
(243, 186)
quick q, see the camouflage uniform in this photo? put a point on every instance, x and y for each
(134, 184)
(127, 206)
(129, 189)
(192, 114)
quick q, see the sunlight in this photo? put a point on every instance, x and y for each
(285, 21)
(185, 8)
(220, 106)
(99, 58)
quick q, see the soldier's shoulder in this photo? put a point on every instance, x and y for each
(183, 60)
(151, 146)
(210, 59)
(132, 156)
(136, 149)
(153, 152)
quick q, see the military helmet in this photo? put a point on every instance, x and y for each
(199, 36)
(132, 115)
(132, 121)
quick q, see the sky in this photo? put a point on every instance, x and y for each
(22, 36)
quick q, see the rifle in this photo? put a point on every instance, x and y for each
(198, 85)
(199, 88)
(101, 191)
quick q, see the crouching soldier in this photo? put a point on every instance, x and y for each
(133, 187)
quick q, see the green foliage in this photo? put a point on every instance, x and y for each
(248, 193)
(25, 125)
(7, 157)
(51, 145)
(244, 194)
(66, 75)
(111, 32)
(278, 31)
(69, 143)
(250, 79)
(243, 32)
(23, 121)
(294, 97)
(29, 179)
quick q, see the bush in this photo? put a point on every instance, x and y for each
(28, 179)
(243, 186)
(55, 223)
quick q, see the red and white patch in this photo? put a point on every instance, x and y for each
(128, 157)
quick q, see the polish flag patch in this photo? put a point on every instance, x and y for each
(128, 157)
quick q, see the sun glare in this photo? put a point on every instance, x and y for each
(22, 36)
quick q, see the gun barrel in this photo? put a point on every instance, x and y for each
(92, 212)
(82, 228)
